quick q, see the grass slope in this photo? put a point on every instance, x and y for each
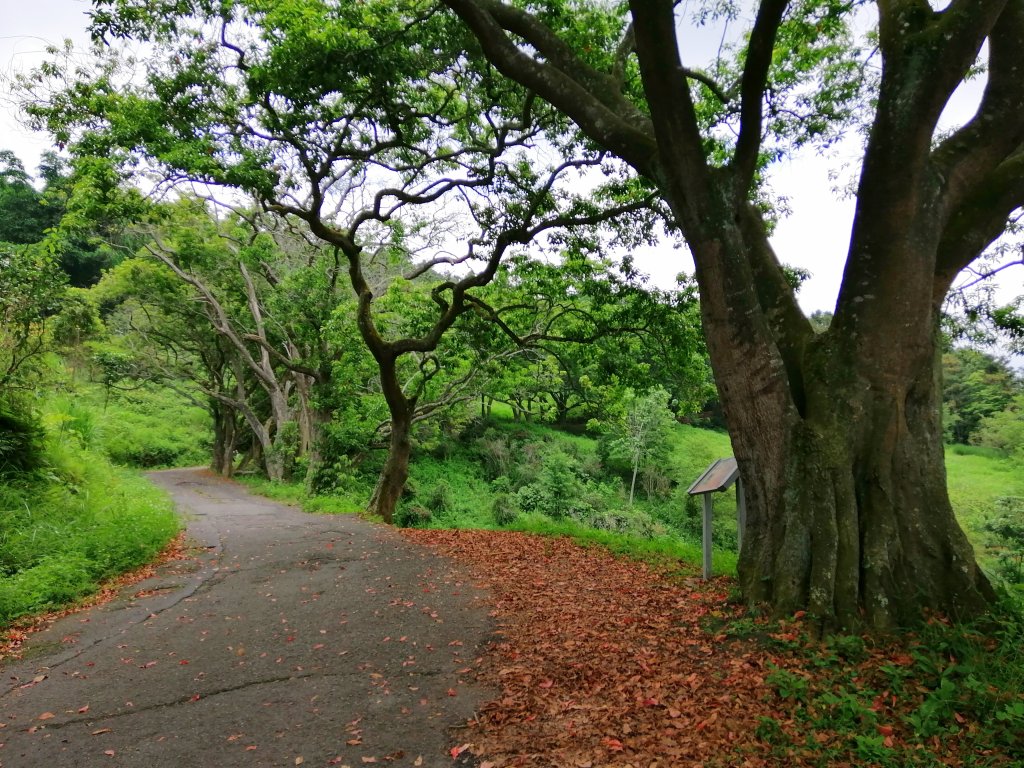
(69, 526)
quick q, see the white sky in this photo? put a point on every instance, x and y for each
(815, 236)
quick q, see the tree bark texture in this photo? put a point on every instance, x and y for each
(225, 440)
(395, 472)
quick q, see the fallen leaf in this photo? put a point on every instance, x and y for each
(46, 716)
(83, 710)
(101, 730)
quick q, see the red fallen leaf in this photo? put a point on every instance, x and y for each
(354, 742)
(613, 745)
(147, 665)
(452, 692)
(109, 752)
(885, 730)
(546, 683)
(888, 742)
(318, 646)
(799, 615)
(234, 737)
(959, 718)
(47, 716)
(183, 662)
(83, 710)
(369, 759)
(195, 697)
(251, 748)
(456, 751)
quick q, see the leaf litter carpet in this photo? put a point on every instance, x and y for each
(602, 661)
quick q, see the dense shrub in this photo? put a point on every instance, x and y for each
(21, 442)
(83, 521)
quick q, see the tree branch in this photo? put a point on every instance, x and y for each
(997, 129)
(630, 139)
(752, 85)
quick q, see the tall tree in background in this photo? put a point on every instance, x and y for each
(363, 123)
(838, 434)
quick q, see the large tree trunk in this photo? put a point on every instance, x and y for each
(839, 441)
(391, 482)
(225, 440)
(838, 437)
(859, 529)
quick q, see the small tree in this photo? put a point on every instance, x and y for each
(639, 433)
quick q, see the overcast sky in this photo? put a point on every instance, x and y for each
(815, 236)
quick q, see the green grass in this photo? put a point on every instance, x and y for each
(946, 695)
(295, 493)
(72, 524)
(531, 477)
(150, 427)
(977, 484)
(657, 551)
(976, 480)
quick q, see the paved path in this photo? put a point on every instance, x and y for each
(291, 639)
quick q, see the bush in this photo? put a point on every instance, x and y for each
(21, 442)
(504, 509)
(60, 535)
(412, 516)
(1007, 529)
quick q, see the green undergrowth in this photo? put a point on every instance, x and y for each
(147, 427)
(944, 695)
(662, 551)
(297, 494)
(987, 492)
(535, 478)
(71, 522)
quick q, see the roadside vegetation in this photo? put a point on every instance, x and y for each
(69, 519)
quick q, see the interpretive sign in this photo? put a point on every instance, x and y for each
(719, 477)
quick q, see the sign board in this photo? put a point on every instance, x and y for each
(718, 477)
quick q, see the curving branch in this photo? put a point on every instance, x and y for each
(617, 128)
(752, 88)
(996, 131)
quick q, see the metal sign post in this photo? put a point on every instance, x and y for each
(718, 477)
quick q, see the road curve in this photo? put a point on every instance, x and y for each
(289, 639)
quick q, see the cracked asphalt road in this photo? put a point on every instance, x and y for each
(289, 639)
